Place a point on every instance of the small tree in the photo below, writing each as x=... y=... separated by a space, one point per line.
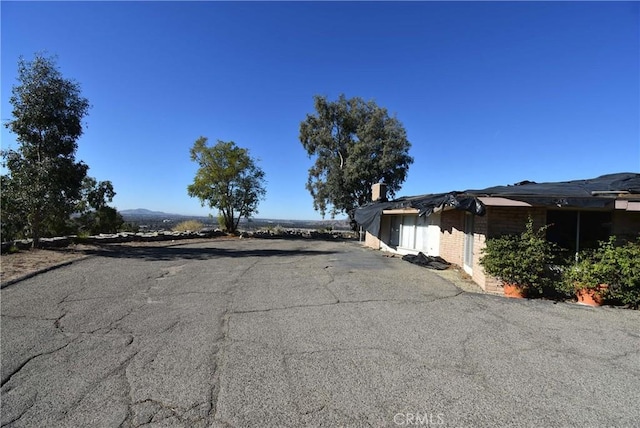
x=356 y=145
x=95 y=215
x=44 y=180
x=228 y=179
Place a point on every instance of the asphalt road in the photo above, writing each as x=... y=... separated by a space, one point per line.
x=274 y=333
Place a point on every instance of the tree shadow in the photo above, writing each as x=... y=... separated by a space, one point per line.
x=178 y=253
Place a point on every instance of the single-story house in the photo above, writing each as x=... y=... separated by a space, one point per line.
x=455 y=225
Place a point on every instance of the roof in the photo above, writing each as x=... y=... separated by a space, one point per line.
x=600 y=192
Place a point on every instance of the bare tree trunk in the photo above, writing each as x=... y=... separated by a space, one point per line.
x=35 y=230
x=352 y=220
x=228 y=221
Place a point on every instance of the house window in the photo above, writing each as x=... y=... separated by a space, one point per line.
x=576 y=230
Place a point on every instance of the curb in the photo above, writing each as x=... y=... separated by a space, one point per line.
x=6 y=284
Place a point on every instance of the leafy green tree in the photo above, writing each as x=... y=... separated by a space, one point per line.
x=227 y=179
x=95 y=195
x=44 y=181
x=356 y=144
x=13 y=224
x=95 y=215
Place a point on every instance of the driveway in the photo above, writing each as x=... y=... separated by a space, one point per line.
x=289 y=333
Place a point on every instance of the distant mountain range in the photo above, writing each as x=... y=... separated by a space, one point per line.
x=144 y=211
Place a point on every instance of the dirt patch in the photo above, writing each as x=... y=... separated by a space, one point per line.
x=23 y=263
x=27 y=262
x=460 y=279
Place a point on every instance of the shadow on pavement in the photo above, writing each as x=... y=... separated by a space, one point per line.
x=173 y=253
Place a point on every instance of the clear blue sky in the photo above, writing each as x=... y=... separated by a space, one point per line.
x=489 y=93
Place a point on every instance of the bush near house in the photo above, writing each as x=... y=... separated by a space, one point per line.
x=523 y=260
x=617 y=266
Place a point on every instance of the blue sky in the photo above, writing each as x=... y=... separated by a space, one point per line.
x=490 y=93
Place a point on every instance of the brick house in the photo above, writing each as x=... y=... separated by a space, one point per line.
x=455 y=225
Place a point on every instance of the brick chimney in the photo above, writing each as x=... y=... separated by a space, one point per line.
x=379 y=192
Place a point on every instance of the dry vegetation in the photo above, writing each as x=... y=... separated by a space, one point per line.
x=188 y=226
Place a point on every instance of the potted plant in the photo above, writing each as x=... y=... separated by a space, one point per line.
x=521 y=262
x=609 y=272
x=586 y=279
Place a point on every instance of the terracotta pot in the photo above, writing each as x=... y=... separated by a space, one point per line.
x=591 y=296
x=514 y=291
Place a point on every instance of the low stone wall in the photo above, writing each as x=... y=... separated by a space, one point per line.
x=299 y=234
x=116 y=238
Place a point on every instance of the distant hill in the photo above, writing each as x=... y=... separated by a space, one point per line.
x=146 y=212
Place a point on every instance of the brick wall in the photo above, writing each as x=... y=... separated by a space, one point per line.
x=371 y=241
x=488 y=283
x=452 y=236
x=497 y=221
x=511 y=220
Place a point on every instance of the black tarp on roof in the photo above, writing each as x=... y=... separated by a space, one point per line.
x=369 y=215
x=622 y=182
x=590 y=193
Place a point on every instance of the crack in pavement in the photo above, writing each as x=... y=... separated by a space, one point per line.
x=28 y=360
x=221 y=343
x=88 y=299
x=347 y=302
x=120 y=368
x=56 y=323
x=31 y=403
x=18 y=317
x=326 y=285
x=111 y=326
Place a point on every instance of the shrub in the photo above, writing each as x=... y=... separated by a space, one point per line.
x=616 y=266
x=523 y=259
x=626 y=285
x=129 y=227
x=188 y=226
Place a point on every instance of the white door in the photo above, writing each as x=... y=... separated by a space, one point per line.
x=422 y=234
x=408 y=231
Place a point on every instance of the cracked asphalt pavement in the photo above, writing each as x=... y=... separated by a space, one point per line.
x=289 y=333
